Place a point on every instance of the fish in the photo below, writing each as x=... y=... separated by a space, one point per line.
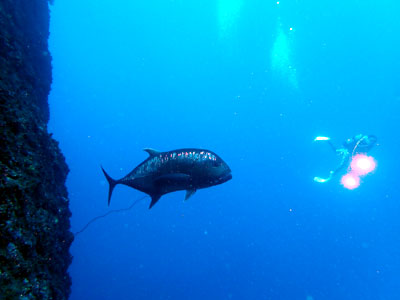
x=161 y=173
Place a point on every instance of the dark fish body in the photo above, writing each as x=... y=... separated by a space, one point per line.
x=183 y=169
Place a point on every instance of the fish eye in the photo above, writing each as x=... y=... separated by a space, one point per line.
x=215 y=163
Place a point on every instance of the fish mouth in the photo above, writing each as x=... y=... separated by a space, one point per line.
x=226 y=177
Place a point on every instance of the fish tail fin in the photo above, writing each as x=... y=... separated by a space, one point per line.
x=112 y=183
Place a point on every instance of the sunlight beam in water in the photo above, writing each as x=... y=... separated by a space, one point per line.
x=281 y=57
x=228 y=13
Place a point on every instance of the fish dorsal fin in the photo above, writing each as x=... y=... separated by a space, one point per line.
x=152 y=152
x=154 y=199
x=189 y=193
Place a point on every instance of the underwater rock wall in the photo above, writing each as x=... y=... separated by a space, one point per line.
x=34 y=206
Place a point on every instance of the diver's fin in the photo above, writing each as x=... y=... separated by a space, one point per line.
x=320 y=180
x=112 y=184
x=152 y=152
x=172 y=178
x=189 y=193
x=154 y=199
x=323 y=180
x=322 y=138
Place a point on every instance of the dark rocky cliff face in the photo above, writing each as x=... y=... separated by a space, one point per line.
x=34 y=213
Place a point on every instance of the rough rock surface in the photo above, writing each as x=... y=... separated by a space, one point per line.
x=34 y=212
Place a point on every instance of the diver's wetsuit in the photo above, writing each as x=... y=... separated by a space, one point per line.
x=357 y=144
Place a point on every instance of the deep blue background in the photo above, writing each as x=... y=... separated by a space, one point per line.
x=171 y=74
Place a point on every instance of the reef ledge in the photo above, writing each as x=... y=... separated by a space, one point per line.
x=35 y=232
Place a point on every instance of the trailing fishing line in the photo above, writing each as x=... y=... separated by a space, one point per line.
x=106 y=214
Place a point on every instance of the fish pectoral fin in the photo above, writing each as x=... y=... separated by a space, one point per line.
x=154 y=199
x=152 y=152
x=172 y=178
x=189 y=193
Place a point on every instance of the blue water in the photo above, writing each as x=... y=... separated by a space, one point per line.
x=256 y=82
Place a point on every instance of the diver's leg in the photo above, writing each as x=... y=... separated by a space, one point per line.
x=326 y=139
x=332 y=146
x=343 y=163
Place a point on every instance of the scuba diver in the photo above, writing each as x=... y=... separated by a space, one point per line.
x=350 y=147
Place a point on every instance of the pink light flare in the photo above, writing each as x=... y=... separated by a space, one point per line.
x=350 y=181
x=362 y=164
